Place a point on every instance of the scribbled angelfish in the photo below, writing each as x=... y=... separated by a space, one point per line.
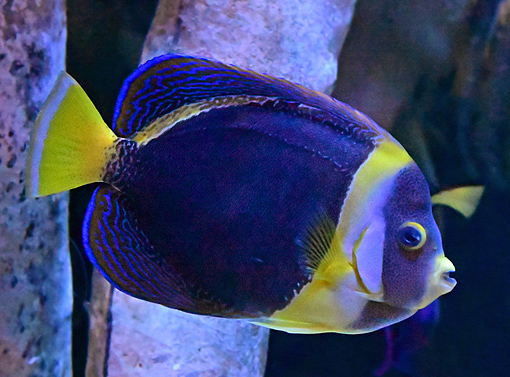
x=234 y=194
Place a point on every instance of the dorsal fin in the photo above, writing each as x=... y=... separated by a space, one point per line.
x=168 y=82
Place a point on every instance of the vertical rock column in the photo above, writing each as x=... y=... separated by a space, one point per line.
x=295 y=39
x=35 y=275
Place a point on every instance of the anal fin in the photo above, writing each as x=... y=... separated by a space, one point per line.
x=122 y=253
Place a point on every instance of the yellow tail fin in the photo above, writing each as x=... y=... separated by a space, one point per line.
x=69 y=144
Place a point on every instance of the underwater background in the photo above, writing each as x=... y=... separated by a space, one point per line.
x=434 y=73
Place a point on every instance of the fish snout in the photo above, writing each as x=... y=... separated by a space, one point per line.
x=446 y=267
x=440 y=282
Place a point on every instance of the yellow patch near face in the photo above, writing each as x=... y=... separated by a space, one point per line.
x=337 y=295
x=384 y=162
x=316 y=309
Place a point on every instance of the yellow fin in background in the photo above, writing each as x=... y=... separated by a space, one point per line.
x=463 y=199
x=69 y=144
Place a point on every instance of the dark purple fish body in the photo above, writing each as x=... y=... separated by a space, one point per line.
x=228 y=193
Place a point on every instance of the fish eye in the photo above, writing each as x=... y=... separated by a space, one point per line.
x=411 y=236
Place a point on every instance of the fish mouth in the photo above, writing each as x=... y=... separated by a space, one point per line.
x=446 y=268
x=448 y=279
x=440 y=282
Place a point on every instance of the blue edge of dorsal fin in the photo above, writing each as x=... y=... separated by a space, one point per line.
x=168 y=82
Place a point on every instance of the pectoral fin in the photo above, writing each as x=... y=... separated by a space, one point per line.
x=317 y=241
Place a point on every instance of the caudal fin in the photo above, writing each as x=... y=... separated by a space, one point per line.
x=70 y=143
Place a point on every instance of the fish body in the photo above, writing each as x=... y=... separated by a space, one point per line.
x=234 y=194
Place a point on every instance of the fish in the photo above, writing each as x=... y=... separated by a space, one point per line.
x=229 y=193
